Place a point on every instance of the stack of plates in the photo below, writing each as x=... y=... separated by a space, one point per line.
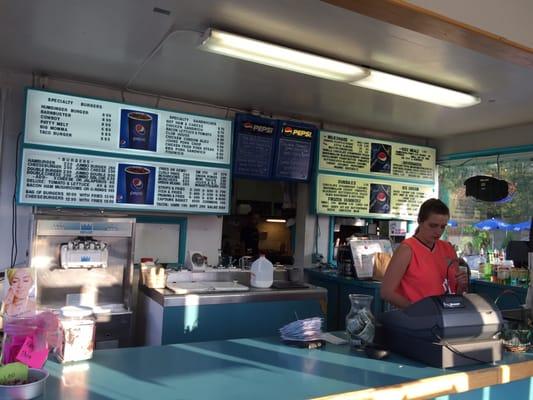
x=303 y=330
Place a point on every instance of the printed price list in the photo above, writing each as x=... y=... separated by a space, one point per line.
x=189 y=188
x=342 y=153
x=191 y=137
x=68 y=180
x=416 y=163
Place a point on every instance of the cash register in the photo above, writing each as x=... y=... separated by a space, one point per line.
x=446 y=331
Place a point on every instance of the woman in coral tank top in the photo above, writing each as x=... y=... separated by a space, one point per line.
x=424 y=265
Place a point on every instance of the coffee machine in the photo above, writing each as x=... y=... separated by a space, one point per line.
x=87 y=260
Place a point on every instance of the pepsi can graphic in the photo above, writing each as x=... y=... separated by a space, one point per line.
x=137 y=180
x=139 y=130
x=380 y=158
x=379 y=198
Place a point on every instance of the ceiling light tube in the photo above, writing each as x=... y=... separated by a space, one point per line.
x=276 y=220
x=405 y=87
x=273 y=55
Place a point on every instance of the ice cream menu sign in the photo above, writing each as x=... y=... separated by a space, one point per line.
x=372 y=178
x=93 y=153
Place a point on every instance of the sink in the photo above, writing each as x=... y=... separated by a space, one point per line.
x=205 y=287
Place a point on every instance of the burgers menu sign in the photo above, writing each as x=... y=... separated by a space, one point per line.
x=372 y=178
x=95 y=153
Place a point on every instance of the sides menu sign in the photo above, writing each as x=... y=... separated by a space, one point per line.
x=90 y=153
x=273 y=149
x=372 y=178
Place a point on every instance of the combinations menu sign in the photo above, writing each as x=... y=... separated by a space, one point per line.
x=76 y=122
x=93 y=153
x=69 y=179
x=372 y=178
x=351 y=154
x=273 y=149
x=376 y=198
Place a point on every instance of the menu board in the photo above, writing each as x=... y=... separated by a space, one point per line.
x=294 y=155
x=369 y=197
x=352 y=154
x=80 y=152
x=254 y=146
x=62 y=120
x=76 y=180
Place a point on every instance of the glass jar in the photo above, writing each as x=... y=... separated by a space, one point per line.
x=360 y=323
x=77 y=334
x=16 y=331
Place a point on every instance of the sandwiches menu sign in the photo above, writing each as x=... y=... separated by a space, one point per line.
x=82 y=152
x=372 y=178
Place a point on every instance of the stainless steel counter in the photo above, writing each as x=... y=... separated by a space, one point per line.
x=168 y=298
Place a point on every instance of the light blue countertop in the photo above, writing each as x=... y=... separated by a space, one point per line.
x=231 y=369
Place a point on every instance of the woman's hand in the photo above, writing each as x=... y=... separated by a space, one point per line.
x=10 y=296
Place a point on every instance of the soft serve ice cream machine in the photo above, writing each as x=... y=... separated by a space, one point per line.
x=88 y=261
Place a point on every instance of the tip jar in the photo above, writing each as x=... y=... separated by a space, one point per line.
x=360 y=323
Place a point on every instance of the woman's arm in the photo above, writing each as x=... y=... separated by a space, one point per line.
x=394 y=274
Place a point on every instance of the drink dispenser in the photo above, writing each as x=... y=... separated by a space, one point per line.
x=86 y=261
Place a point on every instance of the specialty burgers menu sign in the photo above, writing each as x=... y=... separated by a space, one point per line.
x=94 y=153
x=352 y=154
x=372 y=178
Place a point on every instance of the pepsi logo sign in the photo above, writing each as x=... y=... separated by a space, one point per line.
x=139 y=129
x=137 y=184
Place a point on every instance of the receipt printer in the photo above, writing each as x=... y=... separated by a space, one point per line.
x=446 y=331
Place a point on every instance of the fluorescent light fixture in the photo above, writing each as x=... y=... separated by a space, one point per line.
x=405 y=87
x=276 y=220
x=257 y=51
x=232 y=45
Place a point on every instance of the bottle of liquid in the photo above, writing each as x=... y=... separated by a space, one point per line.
x=262 y=273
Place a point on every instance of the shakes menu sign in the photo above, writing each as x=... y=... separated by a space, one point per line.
x=372 y=178
x=82 y=152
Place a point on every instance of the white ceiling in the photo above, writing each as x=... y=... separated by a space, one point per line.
x=107 y=41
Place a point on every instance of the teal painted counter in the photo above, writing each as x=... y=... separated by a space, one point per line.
x=266 y=369
x=166 y=318
x=339 y=288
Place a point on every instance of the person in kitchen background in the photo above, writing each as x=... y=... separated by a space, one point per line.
x=424 y=265
x=250 y=235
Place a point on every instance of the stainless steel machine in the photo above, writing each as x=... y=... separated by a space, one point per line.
x=87 y=260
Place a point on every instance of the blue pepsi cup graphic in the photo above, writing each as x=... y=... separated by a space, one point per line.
x=136 y=184
x=379 y=198
x=139 y=130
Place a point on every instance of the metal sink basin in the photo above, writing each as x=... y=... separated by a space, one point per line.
x=206 y=287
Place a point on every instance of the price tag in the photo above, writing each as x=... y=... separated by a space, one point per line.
x=30 y=356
